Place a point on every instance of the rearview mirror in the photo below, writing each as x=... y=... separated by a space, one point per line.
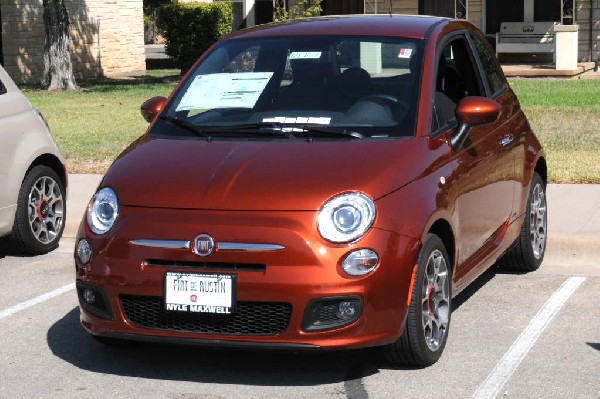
x=473 y=111
x=152 y=107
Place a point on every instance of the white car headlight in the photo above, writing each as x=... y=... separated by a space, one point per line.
x=103 y=210
x=346 y=217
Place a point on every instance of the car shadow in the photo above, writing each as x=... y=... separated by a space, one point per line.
x=594 y=345
x=69 y=341
x=472 y=288
x=7 y=248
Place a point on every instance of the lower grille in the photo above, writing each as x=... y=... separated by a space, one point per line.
x=249 y=318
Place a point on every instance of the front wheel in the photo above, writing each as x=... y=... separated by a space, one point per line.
x=428 y=318
x=528 y=252
x=41 y=211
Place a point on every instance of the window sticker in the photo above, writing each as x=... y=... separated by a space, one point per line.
x=224 y=90
x=321 y=120
x=305 y=55
x=405 y=53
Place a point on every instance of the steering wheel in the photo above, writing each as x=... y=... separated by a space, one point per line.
x=398 y=108
x=385 y=97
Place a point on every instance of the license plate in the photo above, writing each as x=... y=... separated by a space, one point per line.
x=200 y=293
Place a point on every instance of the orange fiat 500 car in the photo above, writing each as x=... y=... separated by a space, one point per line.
x=323 y=183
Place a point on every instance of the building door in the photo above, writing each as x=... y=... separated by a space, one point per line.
x=544 y=10
x=264 y=11
x=342 y=7
x=439 y=8
x=498 y=11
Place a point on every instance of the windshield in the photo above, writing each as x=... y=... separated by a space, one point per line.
x=362 y=86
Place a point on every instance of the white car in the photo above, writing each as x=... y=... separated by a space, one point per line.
x=33 y=177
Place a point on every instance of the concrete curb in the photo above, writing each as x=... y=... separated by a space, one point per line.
x=81 y=189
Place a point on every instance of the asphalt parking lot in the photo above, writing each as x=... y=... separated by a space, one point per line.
x=522 y=336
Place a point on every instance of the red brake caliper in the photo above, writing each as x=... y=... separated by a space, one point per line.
x=429 y=291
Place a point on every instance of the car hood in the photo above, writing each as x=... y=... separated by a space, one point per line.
x=276 y=175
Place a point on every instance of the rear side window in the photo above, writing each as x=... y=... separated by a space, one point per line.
x=2 y=88
x=490 y=66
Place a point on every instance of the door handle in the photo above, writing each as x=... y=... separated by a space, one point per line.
x=506 y=140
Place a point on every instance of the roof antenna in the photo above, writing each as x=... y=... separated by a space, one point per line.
x=390 y=9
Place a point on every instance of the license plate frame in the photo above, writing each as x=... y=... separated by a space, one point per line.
x=210 y=293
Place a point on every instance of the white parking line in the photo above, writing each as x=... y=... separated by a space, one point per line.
x=492 y=385
x=34 y=301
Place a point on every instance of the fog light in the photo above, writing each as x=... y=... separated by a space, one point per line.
x=329 y=313
x=88 y=296
x=84 y=251
x=347 y=310
x=360 y=262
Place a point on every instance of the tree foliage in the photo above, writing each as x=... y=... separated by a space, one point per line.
x=302 y=9
x=58 y=68
x=151 y=5
x=190 y=29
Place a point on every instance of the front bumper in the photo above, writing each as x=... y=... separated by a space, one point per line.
x=272 y=287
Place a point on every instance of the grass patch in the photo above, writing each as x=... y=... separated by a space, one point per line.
x=94 y=125
x=565 y=114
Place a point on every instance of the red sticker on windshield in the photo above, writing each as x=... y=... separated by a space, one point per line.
x=405 y=53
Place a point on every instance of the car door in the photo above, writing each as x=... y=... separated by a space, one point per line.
x=12 y=104
x=5 y=149
x=481 y=186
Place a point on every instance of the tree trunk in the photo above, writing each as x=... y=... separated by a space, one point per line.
x=58 y=69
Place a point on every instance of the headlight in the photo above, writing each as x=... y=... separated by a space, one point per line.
x=103 y=211
x=346 y=217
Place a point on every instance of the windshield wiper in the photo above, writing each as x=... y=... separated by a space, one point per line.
x=190 y=127
x=289 y=130
x=267 y=129
x=264 y=128
x=331 y=131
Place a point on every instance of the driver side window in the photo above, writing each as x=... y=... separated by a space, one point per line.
x=456 y=79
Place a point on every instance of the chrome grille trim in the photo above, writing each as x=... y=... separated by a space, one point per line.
x=248 y=247
x=167 y=244
x=221 y=246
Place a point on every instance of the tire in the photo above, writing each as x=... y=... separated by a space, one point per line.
x=428 y=318
x=527 y=253
x=41 y=211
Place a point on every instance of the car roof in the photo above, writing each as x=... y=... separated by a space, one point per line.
x=414 y=26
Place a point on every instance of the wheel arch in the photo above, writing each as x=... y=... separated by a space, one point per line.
x=443 y=230
x=542 y=169
x=53 y=163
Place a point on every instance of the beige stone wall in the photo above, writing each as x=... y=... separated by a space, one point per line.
x=121 y=35
x=22 y=38
x=107 y=38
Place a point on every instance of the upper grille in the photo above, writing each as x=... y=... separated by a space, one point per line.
x=249 y=318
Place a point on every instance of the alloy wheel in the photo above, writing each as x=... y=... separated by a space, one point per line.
x=435 y=300
x=537 y=221
x=45 y=209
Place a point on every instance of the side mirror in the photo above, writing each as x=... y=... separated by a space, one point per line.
x=473 y=111
x=152 y=107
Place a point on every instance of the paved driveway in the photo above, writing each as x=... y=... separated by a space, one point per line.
x=523 y=336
